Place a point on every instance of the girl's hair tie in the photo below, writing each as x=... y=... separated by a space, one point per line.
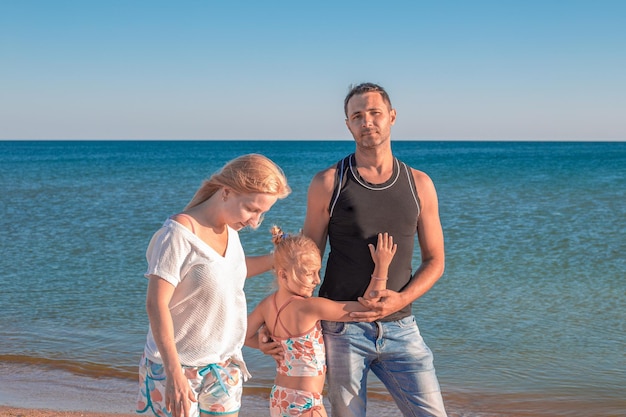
x=278 y=235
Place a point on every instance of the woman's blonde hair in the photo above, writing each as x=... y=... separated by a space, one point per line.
x=291 y=250
x=247 y=174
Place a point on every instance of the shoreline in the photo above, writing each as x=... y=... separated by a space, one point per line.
x=59 y=393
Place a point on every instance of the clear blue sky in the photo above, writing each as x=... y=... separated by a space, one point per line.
x=132 y=69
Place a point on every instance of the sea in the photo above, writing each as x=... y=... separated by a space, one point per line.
x=527 y=320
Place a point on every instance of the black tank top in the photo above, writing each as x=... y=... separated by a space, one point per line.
x=358 y=212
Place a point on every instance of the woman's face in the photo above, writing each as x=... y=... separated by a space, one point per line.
x=247 y=209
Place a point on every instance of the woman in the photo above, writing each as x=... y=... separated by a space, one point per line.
x=192 y=361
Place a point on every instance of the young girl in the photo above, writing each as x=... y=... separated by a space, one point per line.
x=192 y=362
x=293 y=316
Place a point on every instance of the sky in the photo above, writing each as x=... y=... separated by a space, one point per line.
x=204 y=70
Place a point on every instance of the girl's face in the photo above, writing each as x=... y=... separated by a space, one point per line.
x=304 y=277
x=247 y=209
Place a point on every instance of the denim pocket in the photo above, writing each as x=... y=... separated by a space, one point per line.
x=407 y=321
x=333 y=327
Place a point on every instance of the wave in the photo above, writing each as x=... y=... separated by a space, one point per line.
x=89 y=369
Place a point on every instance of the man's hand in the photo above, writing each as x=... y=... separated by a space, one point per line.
x=382 y=304
x=269 y=346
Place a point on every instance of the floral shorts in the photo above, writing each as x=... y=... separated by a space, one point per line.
x=218 y=388
x=287 y=402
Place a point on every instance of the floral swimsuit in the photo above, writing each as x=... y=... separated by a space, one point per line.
x=303 y=355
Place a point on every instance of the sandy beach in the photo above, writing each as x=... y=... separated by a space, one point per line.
x=37 y=391
x=28 y=412
x=252 y=406
x=256 y=406
x=40 y=391
x=33 y=412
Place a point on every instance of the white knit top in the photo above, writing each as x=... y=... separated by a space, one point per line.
x=208 y=306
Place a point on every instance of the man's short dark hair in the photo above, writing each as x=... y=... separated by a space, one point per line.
x=365 y=88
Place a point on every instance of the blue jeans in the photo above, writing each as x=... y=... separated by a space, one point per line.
x=398 y=356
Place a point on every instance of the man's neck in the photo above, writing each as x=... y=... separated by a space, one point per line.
x=374 y=165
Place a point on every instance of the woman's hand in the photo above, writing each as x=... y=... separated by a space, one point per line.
x=178 y=395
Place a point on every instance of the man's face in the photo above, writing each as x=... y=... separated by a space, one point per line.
x=370 y=119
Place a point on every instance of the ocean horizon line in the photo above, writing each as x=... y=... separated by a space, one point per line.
x=459 y=140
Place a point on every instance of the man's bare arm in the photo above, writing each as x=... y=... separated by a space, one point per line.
x=317 y=210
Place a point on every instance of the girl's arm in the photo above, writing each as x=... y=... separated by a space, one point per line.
x=382 y=256
x=255 y=322
x=258 y=336
x=319 y=308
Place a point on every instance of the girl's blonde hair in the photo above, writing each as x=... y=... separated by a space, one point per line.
x=290 y=250
x=247 y=174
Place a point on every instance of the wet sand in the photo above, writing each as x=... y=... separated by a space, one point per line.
x=29 y=391
x=252 y=406
x=36 y=391
x=30 y=412
x=257 y=406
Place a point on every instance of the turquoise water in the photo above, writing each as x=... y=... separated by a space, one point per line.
x=531 y=307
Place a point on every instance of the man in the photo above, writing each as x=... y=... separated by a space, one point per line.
x=349 y=203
